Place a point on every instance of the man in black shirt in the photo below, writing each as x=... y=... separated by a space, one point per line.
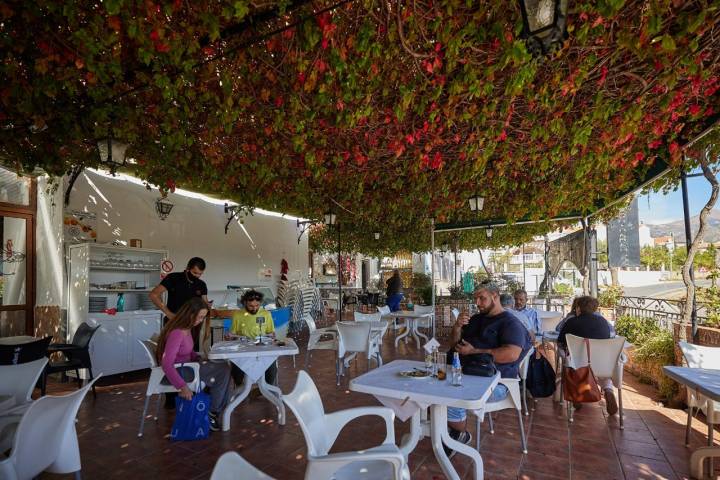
x=181 y=287
x=492 y=330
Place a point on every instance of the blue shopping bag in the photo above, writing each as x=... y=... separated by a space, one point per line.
x=191 y=418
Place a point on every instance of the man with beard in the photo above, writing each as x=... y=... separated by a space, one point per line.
x=181 y=287
x=245 y=323
x=492 y=330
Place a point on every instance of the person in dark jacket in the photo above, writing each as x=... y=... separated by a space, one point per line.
x=587 y=324
x=393 y=293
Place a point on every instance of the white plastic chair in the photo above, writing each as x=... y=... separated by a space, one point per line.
x=549 y=320
x=316 y=342
x=384 y=311
x=19 y=382
x=698 y=356
x=514 y=400
x=375 y=335
x=231 y=466
x=156 y=375
x=606 y=360
x=383 y=462
x=354 y=338
x=367 y=317
x=425 y=322
x=45 y=439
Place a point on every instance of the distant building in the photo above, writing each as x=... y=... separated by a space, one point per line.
x=667 y=241
x=644 y=233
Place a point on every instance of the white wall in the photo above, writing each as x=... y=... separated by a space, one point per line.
x=50 y=271
x=195 y=227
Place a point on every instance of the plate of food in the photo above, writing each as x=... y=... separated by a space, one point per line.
x=416 y=374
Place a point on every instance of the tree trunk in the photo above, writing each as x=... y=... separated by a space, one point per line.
x=695 y=245
x=482 y=262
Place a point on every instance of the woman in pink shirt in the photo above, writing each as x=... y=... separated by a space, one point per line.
x=175 y=345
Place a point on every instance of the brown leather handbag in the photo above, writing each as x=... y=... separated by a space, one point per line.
x=580 y=384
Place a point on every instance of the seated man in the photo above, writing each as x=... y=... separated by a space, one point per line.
x=244 y=323
x=530 y=313
x=492 y=330
x=508 y=303
x=571 y=314
x=587 y=324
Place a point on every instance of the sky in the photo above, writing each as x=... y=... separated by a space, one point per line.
x=655 y=208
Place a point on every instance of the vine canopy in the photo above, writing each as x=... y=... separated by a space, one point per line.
x=389 y=112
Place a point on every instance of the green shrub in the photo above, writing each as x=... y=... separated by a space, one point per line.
x=654 y=348
x=655 y=352
x=636 y=329
x=426 y=294
x=711 y=298
x=610 y=296
x=563 y=289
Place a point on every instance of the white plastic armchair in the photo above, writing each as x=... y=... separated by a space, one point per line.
x=698 y=356
x=606 y=359
x=385 y=461
x=155 y=387
x=354 y=338
x=425 y=322
x=367 y=317
x=376 y=335
x=45 y=439
x=320 y=338
x=19 y=381
x=513 y=400
x=231 y=466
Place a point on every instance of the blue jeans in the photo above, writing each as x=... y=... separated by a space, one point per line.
x=393 y=302
x=458 y=414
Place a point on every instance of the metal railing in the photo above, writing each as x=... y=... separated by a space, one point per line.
x=664 y=311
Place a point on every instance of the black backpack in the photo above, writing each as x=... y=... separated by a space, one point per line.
x=540 y=377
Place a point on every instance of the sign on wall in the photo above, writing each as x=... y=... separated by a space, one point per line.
x=79 y=227
x=623 y=238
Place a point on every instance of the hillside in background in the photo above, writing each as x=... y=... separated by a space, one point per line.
x=677 y=228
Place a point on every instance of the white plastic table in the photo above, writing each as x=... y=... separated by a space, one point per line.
x=411 y=324
x=707 y=382
x=410 y=398
x=253 y=360
x=20 y=339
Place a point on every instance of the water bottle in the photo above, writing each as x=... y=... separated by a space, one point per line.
x=121 y=302
x=456 y=371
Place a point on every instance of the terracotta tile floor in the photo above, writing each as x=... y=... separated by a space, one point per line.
x=593 y=447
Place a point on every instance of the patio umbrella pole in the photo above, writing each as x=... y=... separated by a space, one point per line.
x=688 y=243
x=432 y=269
x=339 y=270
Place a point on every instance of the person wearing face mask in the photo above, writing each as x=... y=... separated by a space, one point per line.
x=244 y=323
x=175 y=346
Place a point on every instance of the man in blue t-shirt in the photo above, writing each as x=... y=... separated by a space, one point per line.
x=492 y=330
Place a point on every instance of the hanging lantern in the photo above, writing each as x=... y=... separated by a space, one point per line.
x=329 y=219
x=377 y=235
x=163 y=207
x=476 y=203
x=112 y=151
x=489 y=232
x=544 y=24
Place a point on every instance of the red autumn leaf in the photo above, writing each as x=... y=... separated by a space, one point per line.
x=170 y=184
x=162 y=47
x=502 y=137
x=639 y=157
x=409 y=138
x=114 y=23
x=154 y=35
x=278 y=102
x=655 y=144
x=325 y=43
x=603 y=75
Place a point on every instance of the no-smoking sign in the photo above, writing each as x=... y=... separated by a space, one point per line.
x=167 y=266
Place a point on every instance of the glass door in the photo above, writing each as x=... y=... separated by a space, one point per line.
x=16 y=274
